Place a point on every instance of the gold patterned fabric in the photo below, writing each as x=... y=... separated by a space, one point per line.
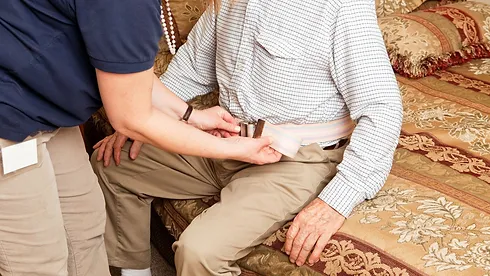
x=387 y=7
x=432 y=217
x=186 y=13
x=436 y=3
x=419 y=43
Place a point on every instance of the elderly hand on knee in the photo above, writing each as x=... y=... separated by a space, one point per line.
x=112 y=145
x=310 y=232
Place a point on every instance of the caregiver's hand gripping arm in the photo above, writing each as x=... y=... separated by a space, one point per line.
x=128 y=102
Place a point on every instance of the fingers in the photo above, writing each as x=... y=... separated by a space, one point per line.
x=269 y=150
x=277 y=155
x=222 y=113
x=308 y=245
x=225 y=134
x=227 y=123
x=267 y=154
x=109 y=150
x=319 y=247
x=229 y=127
x=298 y=242
x=265 y=141
x=271 y=155
x=118 y=145
x=221 y=133
x=135 y=149
x=98 y=144
x=228 y=118
x=214 y=133
x=290 y=235
x=102 y=145
x=254 y=150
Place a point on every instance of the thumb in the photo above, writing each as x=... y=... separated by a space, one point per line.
x=227 y=117
x=135 y=149
x=232 y=128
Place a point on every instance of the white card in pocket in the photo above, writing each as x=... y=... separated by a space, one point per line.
x=19 y=156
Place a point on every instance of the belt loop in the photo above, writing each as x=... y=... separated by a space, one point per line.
x=247 y=129
x=243 y=129
x=250 y=130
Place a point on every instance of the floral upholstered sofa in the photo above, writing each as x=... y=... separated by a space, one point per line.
x=433 y=215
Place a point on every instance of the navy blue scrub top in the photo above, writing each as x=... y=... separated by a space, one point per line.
x=49 y=50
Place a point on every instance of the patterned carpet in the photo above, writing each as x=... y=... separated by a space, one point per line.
x=159 y=267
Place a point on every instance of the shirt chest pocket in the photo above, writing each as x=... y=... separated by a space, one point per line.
x=279 y=48
x=286 y=72
x=277 y=65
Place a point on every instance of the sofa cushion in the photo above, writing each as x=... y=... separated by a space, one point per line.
x=186 y=14
x=422 y=42
x=432 y=216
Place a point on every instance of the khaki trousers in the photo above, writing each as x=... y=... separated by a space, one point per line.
x=52 y=214
x=255 y=202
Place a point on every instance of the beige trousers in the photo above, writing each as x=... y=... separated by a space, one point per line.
x=255 y=202
x=52 y=214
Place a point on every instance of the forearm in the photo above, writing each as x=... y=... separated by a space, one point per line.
x=367 y=159
x=166 y=101
x=162 y=131
x=371 y=93
x=128 y=103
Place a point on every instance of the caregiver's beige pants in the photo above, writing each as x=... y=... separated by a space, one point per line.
x=52 y=214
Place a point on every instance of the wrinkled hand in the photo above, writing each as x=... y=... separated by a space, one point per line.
x=252 y=150
x=216 y=121
x=311 y=230
x=112 y=145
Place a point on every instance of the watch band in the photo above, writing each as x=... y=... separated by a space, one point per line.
x=187 y=113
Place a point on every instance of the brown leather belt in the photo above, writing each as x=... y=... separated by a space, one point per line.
x=339 y=144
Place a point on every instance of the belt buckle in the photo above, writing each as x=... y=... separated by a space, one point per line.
x=247 y=129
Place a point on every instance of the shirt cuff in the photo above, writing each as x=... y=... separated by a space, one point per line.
x=121 y=67
x=341 y=197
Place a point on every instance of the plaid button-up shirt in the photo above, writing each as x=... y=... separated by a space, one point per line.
x=301 y=62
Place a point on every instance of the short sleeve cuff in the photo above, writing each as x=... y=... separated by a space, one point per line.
x=121 y=67
x=341 y=197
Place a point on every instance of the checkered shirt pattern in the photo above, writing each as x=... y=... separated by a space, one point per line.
x=301 y=62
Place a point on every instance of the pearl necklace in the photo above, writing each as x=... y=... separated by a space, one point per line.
x=169 y=37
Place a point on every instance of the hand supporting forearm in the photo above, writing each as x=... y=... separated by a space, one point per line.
x=128 y=103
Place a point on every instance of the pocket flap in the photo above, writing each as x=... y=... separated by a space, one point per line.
x=279 y=47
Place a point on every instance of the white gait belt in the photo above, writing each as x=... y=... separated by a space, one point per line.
x=288 y=138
